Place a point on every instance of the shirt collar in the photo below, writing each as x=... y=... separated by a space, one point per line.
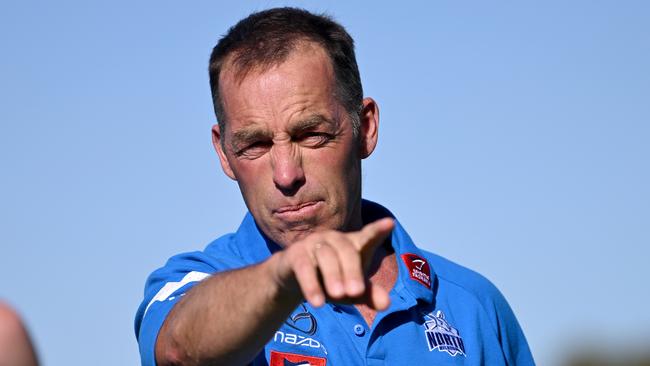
x=415 y=272
x=416 y=278
x=252 y=244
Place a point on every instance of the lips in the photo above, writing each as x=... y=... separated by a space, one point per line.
x=299 y=212
x=295 y=207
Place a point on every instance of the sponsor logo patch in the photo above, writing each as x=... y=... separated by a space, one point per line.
x=297 y=340
x=302 y=320
x=418 y=268
x=292 y=359
x=441 y=335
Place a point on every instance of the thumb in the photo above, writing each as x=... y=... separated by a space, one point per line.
x=373 y=235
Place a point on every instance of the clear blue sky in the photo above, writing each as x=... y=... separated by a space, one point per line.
x=514 y=140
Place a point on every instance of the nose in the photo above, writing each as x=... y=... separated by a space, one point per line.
x=288 y=174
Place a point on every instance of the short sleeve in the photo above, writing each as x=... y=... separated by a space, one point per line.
x=165 y=287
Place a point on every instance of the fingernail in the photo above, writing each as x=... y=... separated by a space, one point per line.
x=337 y=289
x=384 y=304
x=317 y=300
x=355 y=287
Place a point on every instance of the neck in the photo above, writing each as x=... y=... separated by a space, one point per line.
x=383 y=273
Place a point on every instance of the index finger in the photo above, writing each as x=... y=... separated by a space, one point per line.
x=372 y=235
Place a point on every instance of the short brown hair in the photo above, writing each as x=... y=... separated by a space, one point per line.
x=266 y=38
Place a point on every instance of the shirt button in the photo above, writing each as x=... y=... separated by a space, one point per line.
x=359 y=330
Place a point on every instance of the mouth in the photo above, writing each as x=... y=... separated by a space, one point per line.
x=298 y=212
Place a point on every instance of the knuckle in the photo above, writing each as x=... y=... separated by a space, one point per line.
x=302 y=264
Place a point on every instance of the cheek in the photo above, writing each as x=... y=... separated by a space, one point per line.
x=336 y=167
x=251 y=178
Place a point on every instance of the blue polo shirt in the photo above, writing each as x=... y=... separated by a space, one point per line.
x=440 y=313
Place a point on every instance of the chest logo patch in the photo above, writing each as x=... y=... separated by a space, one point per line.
x=303 y=321
x=418 y=268
x=441 y=335
x=292 y=359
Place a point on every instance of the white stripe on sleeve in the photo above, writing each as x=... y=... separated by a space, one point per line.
x=171 y=287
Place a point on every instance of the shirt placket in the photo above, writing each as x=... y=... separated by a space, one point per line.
x=376 y=350
x=366 y=341
x=353 y=327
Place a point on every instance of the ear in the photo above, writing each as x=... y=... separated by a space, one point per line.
x=369 y=131
x=216 y=142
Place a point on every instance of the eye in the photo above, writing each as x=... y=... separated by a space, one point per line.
x=254 y=149
x=314 y=139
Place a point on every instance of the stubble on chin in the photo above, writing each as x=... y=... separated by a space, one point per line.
x=293 y=233
x=289 y=238
x=286 y=233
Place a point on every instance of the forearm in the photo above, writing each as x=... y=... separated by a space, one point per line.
x=227 y=318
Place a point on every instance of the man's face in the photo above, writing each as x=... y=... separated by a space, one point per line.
x=289 y=144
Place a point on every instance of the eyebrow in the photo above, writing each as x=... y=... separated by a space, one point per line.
x=246 y=135
x=311 y=123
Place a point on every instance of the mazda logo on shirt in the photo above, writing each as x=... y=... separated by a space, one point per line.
x=303 y=321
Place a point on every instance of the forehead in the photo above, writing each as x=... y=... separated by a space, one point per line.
x=304 y=79
x=237 y=67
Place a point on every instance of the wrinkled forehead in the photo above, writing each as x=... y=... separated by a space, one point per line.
x=304 y=79
x=241 y=64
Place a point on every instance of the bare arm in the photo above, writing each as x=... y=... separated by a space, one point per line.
x=227 y=318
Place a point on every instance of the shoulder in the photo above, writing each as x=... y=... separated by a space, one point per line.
x=220 y=254
x=460 y=283
x=167 y=284
x=464 y=288
x=184 y=270
x=454 y=274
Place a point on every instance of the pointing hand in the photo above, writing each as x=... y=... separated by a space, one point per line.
x=332 y=264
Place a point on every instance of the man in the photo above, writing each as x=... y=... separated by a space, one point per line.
x=314 y=275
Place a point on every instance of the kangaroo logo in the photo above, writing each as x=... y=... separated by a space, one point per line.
x=442 y=336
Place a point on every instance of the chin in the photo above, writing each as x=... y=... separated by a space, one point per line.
x=285 y=239
x=298 y=232
x=286 y=233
